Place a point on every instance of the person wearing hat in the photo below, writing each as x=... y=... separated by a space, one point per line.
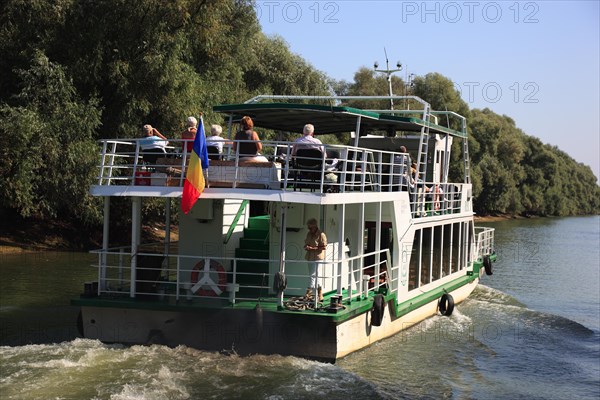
x=189 y=134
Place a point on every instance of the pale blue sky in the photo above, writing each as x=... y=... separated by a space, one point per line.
x=535 y=61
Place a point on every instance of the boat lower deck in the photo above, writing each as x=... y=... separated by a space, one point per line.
x=330 y=307
x=244 y=328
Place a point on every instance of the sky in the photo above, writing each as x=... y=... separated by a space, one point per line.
x=537 y=62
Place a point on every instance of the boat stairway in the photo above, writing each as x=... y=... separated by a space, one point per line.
x=254 y=245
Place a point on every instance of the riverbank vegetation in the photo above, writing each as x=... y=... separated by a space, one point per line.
x=74 y=72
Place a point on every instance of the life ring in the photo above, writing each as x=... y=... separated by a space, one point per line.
x=487 y=265
x=208 y=286
x=377 y=310
x=446 y=304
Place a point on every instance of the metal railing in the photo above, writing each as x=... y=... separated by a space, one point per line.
x=159 y=277
x=485 y=241
x=341 y=169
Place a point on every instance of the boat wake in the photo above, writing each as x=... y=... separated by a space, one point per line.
x=89 y=369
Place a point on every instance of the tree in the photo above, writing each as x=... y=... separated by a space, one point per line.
x=50 y=156
x=368 y=82
x=440 y=93
x=166 y=61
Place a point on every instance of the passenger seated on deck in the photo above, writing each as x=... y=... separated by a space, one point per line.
x=189 y=134
x=215 y=140
x=153 y=144
x=307 y=140
x=250 y=147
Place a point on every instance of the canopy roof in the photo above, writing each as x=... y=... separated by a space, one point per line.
x=292 y=117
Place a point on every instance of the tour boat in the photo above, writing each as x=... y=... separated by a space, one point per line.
x=401 y=242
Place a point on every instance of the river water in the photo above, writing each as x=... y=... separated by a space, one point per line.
x=529 y=331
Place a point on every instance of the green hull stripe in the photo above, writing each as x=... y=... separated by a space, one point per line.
x=425 y=298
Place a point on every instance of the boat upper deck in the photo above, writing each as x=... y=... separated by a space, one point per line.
x=371 y=168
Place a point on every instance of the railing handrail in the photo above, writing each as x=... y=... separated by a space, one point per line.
x=122 y=264
x=237 y=217
x=347 y=169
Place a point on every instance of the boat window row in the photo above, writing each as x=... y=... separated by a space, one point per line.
x=438 y=251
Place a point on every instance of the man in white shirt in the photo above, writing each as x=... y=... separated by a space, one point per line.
x=307 y=141
x=215 y=138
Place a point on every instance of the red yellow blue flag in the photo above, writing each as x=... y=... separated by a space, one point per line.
x=194 y=177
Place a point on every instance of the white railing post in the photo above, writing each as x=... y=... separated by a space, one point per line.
x=365 y=285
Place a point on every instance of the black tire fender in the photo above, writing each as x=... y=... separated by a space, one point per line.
x=377 y=310
x=487 y=265
x=446 y=304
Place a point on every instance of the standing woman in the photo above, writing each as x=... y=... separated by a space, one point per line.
x=315 y=244
x=250 y=145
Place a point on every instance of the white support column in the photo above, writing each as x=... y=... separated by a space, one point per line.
x=105 y=242
x=136 y=211
x=420 y=260
x=361 y=244
x=451 y=248
x=460 y=246
x=340 y=255
x=167 y=232
x=282 y=244
x=431 y=253
x=378 y=244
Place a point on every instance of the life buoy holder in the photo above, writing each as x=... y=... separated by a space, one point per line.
x=202 y=282
x=487 y=265
x=446 y=304
x=377 y=310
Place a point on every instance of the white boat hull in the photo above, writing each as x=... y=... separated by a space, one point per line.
x=250 y=331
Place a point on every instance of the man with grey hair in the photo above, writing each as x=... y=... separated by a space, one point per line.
x=307 y=141
x=215 y=138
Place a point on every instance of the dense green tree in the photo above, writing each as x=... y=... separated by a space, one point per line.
x=165 y=61
x=139 y=62
x=441 y=94
x=48 y=156
x=73 y=71
x=368 y=82
x=26 y=27
x=273 y=69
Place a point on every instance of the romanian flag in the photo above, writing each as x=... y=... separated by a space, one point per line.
x=194 y=178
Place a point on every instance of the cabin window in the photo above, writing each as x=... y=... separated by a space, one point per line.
x=413 y=266
x=438 y=254
x=439 y=251
x=447 y=250
x=370 y=246
x=426 y=256
x=456 y=235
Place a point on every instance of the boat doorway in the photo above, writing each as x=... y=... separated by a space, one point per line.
x=370 y=241
x=259 y=208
